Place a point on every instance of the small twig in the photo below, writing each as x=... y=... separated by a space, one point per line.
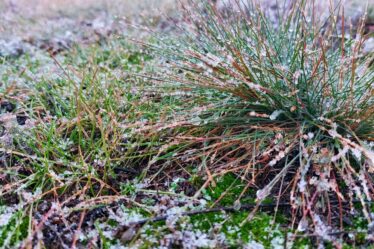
x=76 y=234
x=217 y=209
x=342 y=232
x=205 y=211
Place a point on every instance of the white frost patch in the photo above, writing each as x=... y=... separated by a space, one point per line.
x=357 y=153
x=253 y=245
x=333 y=133
x=5 y=217
x=124 y=216
x=276 y=114
x=277 y=243
x=310 y=135
x=303 y=225
x=197 y=239
x=340 y=154
x=30 y=196
x=214 y=60
x=261 y=194
x=175 y=210
x=118 y=246
x=302 y=185
x=320 y=228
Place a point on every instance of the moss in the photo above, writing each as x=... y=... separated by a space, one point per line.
x=15 y=230
x=228 y=188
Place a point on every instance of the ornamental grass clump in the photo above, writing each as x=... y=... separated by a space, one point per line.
x=292 y=109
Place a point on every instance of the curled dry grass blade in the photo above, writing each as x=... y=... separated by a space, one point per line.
x=295 y=103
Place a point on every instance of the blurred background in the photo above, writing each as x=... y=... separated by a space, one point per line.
x=55 y=25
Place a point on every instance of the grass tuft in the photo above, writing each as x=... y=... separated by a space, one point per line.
x=295 y=116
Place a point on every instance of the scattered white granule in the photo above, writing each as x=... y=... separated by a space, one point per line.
x=310 y=135
x=277 y=243
x=303 y=225
x=340 y=154
x=272 y=162
x=302 y=184
x=253 y=245
x=275 y=114
x=5 y=218
x=357 y=153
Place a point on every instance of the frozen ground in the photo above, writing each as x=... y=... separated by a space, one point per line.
x=56 y=25
x=84 y=36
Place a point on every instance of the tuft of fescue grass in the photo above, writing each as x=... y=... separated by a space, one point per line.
x=296 y=115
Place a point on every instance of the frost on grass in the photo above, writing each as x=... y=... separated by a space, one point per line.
x=6 y=214
x=238 y=102
x=304 y=86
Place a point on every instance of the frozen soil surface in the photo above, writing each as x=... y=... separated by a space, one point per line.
x=64 y=61
x=57 y=25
